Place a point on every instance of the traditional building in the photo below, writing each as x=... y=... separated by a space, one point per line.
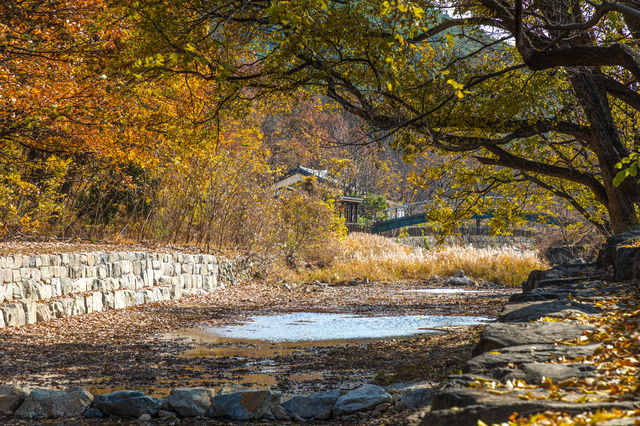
x=349 y=205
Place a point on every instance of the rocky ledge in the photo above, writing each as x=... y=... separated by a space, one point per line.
x=568 y=344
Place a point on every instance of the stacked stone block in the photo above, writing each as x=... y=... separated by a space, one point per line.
x=39 y=288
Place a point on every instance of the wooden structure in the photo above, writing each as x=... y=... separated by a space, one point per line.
x=349 y=206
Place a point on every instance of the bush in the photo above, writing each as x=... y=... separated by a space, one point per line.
x=307 y=231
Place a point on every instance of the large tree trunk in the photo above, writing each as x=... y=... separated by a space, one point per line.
x=590 y=92
x=607 y=145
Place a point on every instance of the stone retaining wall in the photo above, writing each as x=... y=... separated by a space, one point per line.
x=38 y=288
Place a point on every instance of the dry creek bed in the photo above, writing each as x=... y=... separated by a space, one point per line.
x=146 y=348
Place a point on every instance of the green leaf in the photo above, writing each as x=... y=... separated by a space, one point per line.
x=620 y=176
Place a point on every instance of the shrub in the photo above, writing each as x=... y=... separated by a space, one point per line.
x=307 y=230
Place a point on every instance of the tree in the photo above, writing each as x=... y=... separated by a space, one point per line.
x=50 y=93
x=537 y=92
x=374 y=208
x=79 y=133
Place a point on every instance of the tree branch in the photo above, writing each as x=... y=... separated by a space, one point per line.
x=622 y=92
x=602 y=227
x=450 y=23
x=614 y=55
x=472 y=143
x=506 y=159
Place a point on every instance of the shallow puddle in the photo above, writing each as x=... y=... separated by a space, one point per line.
x=279 y=350
x=313 y=326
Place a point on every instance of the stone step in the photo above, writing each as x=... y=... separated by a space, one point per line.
x=500 y=335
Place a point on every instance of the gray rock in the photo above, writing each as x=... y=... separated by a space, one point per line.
x=10 y=398
x=536 y=276
x=247 y=404
x=43 y=313
x=145 y=417
x=607 y=254
x=493 y=409
x=531 y=311
x=627 y=263
x=538 y=296
x=561 y=275
x=460 y=281
x=500 y=335
x=364 y=398
x=413 y=395
x=315 y=406
x=526 y=354
x=190 y=402
x=93 y=413
x=14 y=315
x=126 y=403
x=535 y=371
x=454 y=396
x=383 y=407
x=279 y=413
x=49 y=403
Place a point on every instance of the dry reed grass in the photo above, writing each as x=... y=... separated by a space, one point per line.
x=379 y=258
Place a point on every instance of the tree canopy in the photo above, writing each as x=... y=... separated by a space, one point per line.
x=527 y=94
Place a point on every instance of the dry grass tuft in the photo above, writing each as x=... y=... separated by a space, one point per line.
x=379 y=258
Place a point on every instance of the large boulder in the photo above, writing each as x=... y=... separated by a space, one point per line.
x=246 y=404
x=49 y=403
x=500 y=335
x=531 y=311
x=627 y=263
x=562 y=275
x=315 y=406
x=413 y=395
x=364 y=398
x=127 y=403
x=10 y=399
x=608 y=252
x=191 y=402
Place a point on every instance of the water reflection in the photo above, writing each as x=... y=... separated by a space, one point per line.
x=313 y=326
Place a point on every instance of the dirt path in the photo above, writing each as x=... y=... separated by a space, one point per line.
x=136 y=348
